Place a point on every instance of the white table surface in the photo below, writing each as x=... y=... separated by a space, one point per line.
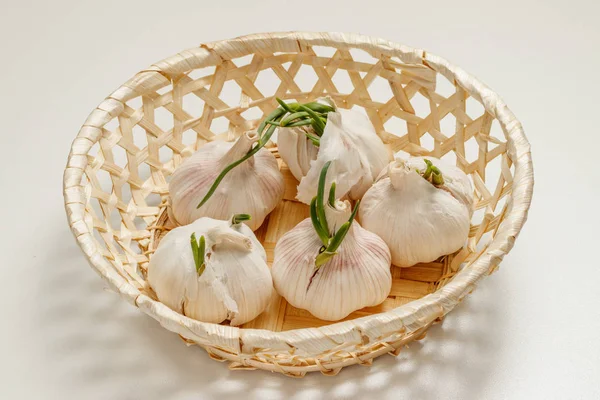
x=530 y=331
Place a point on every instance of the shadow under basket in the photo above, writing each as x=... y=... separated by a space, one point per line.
x=116 y=180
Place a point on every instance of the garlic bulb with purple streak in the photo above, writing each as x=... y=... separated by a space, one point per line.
x=421 y=207
x=328 y=264
x=255 y=187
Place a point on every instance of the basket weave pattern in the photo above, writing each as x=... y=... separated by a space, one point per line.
x=116 y=191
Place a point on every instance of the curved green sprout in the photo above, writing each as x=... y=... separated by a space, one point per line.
x=317 y=215
x=239 y=218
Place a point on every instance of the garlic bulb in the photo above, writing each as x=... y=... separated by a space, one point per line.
x=316 y=132
x=421 y=208
x=224 y=277
x=255 y=187
x=349 y=138
x=328 y=264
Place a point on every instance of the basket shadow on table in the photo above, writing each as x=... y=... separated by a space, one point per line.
x=100 y=344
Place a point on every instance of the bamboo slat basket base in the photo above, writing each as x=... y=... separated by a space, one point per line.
x=116 y=179
x=408 y=284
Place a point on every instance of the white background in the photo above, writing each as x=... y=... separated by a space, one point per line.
x=530 y=331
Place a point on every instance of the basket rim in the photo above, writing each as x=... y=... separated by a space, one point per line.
x=408 y=317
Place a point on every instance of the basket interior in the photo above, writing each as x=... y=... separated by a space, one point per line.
x=413 y=108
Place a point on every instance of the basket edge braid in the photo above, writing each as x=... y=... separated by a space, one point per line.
x=326 y=349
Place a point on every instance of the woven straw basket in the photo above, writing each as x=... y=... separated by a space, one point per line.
x=116 y=192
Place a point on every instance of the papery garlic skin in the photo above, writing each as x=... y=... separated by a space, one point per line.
x=419 y=221
x=358 y=276
x=254 y=187
x=359 y=155
x=296 y=150
x=236 y=284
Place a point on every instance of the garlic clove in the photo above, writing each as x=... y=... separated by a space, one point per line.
x=254 y=187
x=419 y=221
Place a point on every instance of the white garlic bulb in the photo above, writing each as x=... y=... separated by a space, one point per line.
x=350 y=139
x=346 y=136
x=419 y=219
x=254 y=187
x=229 y=281
x=334 y=272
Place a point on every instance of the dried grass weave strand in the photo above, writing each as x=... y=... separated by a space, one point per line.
x=115 y=182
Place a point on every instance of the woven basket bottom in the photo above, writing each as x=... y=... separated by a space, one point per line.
x=408 y=284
